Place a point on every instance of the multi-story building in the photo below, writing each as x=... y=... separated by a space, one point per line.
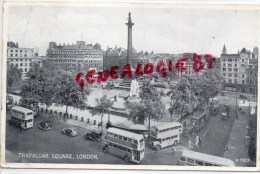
x=21 y=57
x=234 y=69
x=252 y=76
x=76 y=57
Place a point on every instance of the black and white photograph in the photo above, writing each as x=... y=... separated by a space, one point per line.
x=130 y=86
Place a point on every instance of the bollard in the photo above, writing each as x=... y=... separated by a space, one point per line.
x=60 y=113
x=55 y=112
x=82 y=119
x=50 y=111
x=76 y=117
x=15 y=103
x=42 y=109
x=94 y=122
x=70 y=116
x=46 y=110
x=88 y=120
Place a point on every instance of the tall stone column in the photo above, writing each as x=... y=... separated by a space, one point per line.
x=129 y=39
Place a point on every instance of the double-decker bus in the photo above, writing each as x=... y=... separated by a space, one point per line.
x=21 y=117
x=166 y=134
x=130 y=146
x=191 y=158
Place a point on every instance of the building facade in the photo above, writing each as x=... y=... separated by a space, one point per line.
x=235 y=69
x=21 y=57
x=77 y=57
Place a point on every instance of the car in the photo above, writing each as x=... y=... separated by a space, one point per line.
x=188 y=131
x=70 y=131
x=45 y=125
x=93 y=135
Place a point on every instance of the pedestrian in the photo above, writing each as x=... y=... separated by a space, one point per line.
x=190 y=145
x=173 y=151
x=200 y=141
x=21 y=128
x=197 y=141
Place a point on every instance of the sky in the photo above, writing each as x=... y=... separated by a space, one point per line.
x=162 y=30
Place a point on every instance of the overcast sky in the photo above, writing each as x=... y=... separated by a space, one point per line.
x=161 y=30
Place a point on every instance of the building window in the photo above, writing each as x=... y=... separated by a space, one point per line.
x=229 y=65
x=21 y=64
x=242 y=65
x=235 y=80
x=235 y=65
x=236 y=75
x=16 y=51
x=25 y=64
x=224 y=69
x=243 y=76
x=230 y=80
x=235 y=69
x=15 y=55
x=224 y=64
x=11 y=50
x=25 y=70
x=21 y=60
x=229 y=69
x=243 y=82
x=11 y=55
x=230 y=75
x=230 y=60
x=25 y=55
x=21 y=51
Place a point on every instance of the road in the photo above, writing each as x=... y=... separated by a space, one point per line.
x=214 y=135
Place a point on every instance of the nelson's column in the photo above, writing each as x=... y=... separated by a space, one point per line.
x=129 y=39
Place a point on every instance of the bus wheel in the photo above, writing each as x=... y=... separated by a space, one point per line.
x=175 y=143
x=158 y=147
x=126 y=158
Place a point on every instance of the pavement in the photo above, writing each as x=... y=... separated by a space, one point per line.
x=236 y=148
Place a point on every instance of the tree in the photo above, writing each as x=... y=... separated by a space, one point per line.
x=150 y=106
x=68 y=93
x=183 y=99
x=207 y=86
x=103 y=105
x=39 y=84
x=14 y=75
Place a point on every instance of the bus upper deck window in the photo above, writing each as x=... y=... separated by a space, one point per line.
x=199 y=163
x=124 y=138
x=30 y=113
x=183 y=158
x=129 y=140
x=135 y=141
x=190 y=160
x=208 y=164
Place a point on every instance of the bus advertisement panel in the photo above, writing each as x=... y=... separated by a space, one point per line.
x=127 y=145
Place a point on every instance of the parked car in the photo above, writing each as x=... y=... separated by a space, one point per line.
x=188 y=131
x=70 y=131
x=45 y=125
x=93 y=135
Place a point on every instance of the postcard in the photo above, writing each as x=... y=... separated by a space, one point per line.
x=144 y=86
